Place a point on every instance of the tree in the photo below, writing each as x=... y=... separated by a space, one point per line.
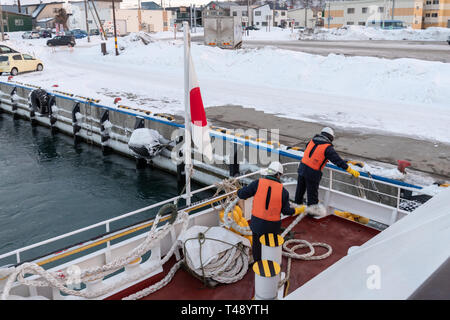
x=61 y=18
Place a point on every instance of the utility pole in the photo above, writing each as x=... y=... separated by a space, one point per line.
x=1 y=23
x=87 y=24
x=139 y=16
x=95 y=21
x=115 y=28
x=306 y=8
x=393 y=7
x=329 y=14
x=102 y=30
x=19 y=7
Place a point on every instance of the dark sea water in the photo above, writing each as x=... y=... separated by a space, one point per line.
x=49 y=186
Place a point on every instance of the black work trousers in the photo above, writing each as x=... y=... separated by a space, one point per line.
x=310 y=186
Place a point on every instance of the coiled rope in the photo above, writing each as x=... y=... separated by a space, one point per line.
x=290 y=253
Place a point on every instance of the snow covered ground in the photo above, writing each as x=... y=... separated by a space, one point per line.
x=363 y=33
x=404 y=96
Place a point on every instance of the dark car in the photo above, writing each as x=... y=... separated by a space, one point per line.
x=251 y=28
x=61 y=41
x=94 y=32
x=45 y=34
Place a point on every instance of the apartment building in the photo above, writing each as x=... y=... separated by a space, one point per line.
x=418 y=14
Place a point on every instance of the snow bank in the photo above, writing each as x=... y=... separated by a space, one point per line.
x=403 y=96
x=368 y=33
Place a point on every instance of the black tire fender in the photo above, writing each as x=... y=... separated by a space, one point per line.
x=39 y=101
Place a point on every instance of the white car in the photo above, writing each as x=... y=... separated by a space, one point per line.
x=31 y=35
x=5 y=36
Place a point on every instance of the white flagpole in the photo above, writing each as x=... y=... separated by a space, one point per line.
x=187 y=117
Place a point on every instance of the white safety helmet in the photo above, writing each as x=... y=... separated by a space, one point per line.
x=274 y=168
x=328 y=130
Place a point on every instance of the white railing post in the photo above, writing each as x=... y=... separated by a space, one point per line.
x=108 y=246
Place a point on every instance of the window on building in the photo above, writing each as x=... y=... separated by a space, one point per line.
x=361 y=23
x=297 y=23
x=257 y=13
x=435 y=1
x=234 y=13
x=283 y=13
x=18 y=22
x=428 y=2
x=257 y=23
x=17 y=57
x=427 y=15
x=380 y=9
x=350 y=23
x=55 y=10
x=244 y=13
x=434 y=15
x=364 y=10
x=350 y=10
x=264 y=24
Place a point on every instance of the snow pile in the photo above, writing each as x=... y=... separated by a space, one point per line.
x=145 y=142
x=274 y=34
x=368 y=33
x=403 y=96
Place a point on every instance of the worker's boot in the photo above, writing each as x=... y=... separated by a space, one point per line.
x=317 y=210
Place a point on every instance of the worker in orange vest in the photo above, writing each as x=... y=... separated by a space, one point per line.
x=270 y=200
x=318 y=151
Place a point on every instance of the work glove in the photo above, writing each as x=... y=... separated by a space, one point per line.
x=353 y=172
x=299 y=210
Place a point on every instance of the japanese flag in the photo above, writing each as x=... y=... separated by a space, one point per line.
x=199 y=124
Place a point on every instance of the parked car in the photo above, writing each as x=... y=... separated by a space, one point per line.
x=45 y=34
x=251 y=28
x=94 y=32
x=448 y=40
x=78 y=34
x=5 y=36
x=31 y=35
x=61 y=41
x=14 y=63
x=5 y=49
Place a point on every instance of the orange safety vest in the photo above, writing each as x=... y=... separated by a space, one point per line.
x=267 y=206
x=314 y=155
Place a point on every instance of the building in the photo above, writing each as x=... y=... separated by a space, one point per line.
x=14 y=21
x=262 y=16
x=186 y=14
x=77 y=14
x=127 y=20
x=244 y=13
x=270 y=14
x=299 y=19
x=418 y=14
x=217 y=8
x=279 y=14
x=43 y=13
x=151 y=20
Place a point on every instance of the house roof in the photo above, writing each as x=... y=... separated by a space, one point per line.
x=150 y=5
x=222 y=4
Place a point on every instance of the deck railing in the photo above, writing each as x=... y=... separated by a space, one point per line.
x=330 y=194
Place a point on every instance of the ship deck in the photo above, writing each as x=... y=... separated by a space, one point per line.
x=338 y=232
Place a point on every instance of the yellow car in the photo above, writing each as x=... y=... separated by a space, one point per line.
x=14 y=63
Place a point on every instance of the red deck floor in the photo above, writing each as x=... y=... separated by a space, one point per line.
x=337 y=232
